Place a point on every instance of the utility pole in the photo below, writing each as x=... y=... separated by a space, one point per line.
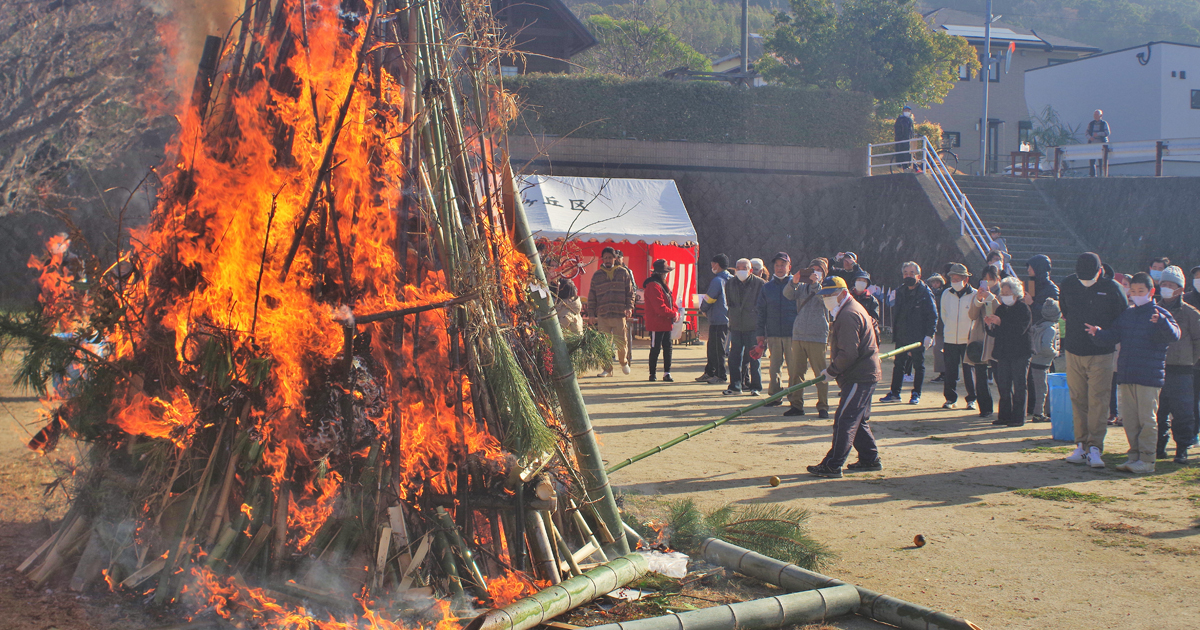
x=986 y=75
x=746 y=36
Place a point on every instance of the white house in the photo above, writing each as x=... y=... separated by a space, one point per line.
x=1150 y=92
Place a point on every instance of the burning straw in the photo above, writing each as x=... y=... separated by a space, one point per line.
x=314 y=384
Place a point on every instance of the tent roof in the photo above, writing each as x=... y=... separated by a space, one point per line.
x=606 y=209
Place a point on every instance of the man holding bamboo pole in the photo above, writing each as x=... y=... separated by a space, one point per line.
x=854 y=362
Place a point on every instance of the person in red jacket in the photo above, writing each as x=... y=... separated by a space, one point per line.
x=660 y=316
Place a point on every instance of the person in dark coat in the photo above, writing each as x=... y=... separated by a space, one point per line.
x=1193 y=297
x=1145 y=332
x=776 y=317
x=1090 y=297
x=1043 y=288
x=903 y=132
x=1176 y=416
x=1010 y=327
x=845 y=266
x=854 y=363
x=741 y=295
x=660 y=315
x=860 y=288
x=916 y=319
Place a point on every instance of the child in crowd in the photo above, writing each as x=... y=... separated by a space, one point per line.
x=1144 y=332
x=1045 y=350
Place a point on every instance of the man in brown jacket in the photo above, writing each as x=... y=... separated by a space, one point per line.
x=854 y=363
x=610 y=302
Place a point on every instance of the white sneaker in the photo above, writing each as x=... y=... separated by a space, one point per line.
x=1127 y=466
x=1078 y=456
x=1141 y=467
x=604 y=373
x=908 y=378
x=1094 y=458
x=625 y=369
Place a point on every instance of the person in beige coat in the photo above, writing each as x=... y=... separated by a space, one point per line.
x=980 y=344
x=954 y=315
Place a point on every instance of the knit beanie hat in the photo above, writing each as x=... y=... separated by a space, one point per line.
x=1087 y=266
x=1173 y=274
x=822 y=263
x=1050 y=310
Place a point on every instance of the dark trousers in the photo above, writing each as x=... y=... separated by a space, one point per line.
x=850 y=427
x=1196 y=406
x=1010 y=381
x=983 y=393
x=915 y=360
x=718 y=349
x=1112 y=403
x=660 y=341
x=740 y=344
x=1176 y=400
x=955 y=353
x=1032 y=406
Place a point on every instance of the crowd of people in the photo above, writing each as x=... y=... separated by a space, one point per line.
x=1128 y=344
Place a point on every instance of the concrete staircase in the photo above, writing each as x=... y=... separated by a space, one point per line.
x=1030 y=222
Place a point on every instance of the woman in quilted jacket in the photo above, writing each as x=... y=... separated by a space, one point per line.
x=660 y=315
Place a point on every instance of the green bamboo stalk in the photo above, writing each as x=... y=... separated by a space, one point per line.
x=464 y=552
x=566 y=386
x=712 y=425
x=556 y=600
x=782 y=611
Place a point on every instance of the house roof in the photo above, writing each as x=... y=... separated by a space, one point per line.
x=970 y=26
x=1121 y=50
x=539 y=18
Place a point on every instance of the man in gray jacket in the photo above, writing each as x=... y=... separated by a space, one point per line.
x=810 y=332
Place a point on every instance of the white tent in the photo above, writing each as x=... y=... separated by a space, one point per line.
x=606 y=209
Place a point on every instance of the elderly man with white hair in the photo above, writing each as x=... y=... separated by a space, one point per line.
x=1097 y=133
x=741 y=297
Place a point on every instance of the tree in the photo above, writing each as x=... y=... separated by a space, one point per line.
x=880 y=47
x=634 y=49
x=712 y=27
x=71 y=78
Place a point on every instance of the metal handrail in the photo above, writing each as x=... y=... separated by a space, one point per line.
x=926 y=158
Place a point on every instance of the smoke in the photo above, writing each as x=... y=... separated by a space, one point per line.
x=190 y=22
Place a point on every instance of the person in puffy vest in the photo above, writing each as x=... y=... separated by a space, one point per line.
x=956 y=321
x=1145 y=331
x=1044 y=342
x=776 y=317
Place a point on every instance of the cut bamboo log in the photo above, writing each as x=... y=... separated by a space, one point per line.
x=585 y=552
x=94 y=558
x=38 y=552
x=61 y=548
x=563 y=550
x=585 y=531
x=144 y=573
x=761 y=614
x=879 y=607
x=556 y=600
x=464 y=552
x=539 y=547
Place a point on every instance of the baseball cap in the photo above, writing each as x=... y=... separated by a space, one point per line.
x=782 y=256
x=832 y=285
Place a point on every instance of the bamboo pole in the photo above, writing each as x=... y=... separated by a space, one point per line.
x=570 y=594
x=879 y=607
x=464 y=552
x=712 y=425
x=761 y=614
x=584 y=531
x=539 y=547
x=575 y=415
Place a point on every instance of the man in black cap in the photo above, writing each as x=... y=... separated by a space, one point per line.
x=1090 y=297
x=854 y=362
x=716 y=309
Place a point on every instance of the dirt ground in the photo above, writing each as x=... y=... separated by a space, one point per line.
x=1004 y=550
x=1125 y=552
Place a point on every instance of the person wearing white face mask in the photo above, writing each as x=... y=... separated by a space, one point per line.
x=741 y=297
x=776 y=317
x=1010 y=328
x=1145 y=331
x=860 y=288
x=1090 y=297
x=1176 y=399
x=1157 y=266
x=955 y=315
x=854 y=363
x=915 y=321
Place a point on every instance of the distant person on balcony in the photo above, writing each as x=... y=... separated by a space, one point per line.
x=1097 y=133
x=904 y=133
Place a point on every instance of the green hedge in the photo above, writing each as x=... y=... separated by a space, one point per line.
x=691 y=111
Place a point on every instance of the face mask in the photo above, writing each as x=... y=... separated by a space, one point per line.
x=831 y=302
x=1167 y=293
x=1088 y=283
x=818 y=275
x=742 y=274
x=910 y=282
x=781 y=277
x=860 y=285
x=1156 y=274
x=1140 y=300
x=1196 y=284
x=958 y=286
x=1008 y=300
x=998 y=264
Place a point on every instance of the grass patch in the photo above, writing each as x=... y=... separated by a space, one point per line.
x=1117 y=528
x=1057 y=450
x=1063 y=494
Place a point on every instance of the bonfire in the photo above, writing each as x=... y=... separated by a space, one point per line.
x=323 y=386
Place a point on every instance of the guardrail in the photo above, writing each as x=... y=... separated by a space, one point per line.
x=1126 y=152
x=924 y=158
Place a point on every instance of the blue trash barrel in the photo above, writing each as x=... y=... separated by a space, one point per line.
x=1062 y=423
